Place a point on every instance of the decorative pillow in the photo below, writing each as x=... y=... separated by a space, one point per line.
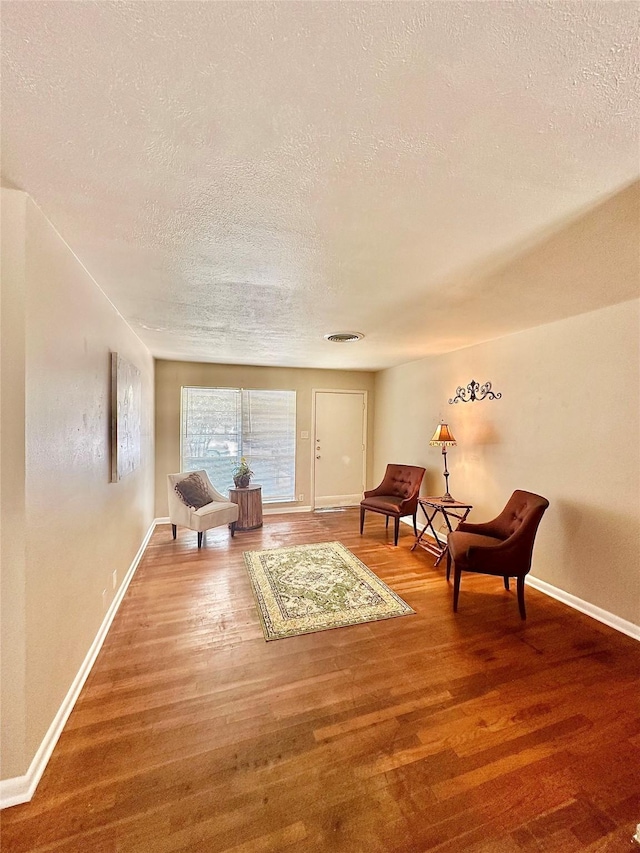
x=193 y=491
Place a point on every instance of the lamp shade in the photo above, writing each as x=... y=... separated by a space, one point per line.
x=442 y=436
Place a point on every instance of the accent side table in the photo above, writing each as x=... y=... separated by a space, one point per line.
x=249 y=502
x=431 y=507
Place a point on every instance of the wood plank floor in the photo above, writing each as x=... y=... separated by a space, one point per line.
x=473 y=732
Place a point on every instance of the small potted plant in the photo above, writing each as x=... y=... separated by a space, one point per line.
x=242 y=474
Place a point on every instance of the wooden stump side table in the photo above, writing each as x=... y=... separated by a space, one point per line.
x=249 y=502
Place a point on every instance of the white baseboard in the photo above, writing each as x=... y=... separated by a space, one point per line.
x=597 y=613
x=20 y=789
x=332 y=501
x=277 y=510
x=266 y=510
x=442 y=537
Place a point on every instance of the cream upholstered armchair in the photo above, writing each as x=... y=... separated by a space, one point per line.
x=196 y=504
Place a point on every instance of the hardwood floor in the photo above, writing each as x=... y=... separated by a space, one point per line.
x=471 y=732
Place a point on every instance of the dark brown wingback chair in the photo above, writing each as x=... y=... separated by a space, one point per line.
x=396 y=496
x=500 y=547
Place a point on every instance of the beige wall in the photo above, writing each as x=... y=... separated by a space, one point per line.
x=172 y=375
x=567 y=427
x=78 y=526
x=12 y=484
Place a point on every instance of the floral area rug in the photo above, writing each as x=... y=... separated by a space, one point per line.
x=309 y=588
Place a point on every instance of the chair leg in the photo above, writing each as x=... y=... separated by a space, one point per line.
x=361 y=520
x=232 y=528
x=174 y=530
x=415 y=523
x=456 y=587
x=200 y=540
x=396 y=530
x=386 y=522
x=448 y=565
x=506 y=581
x=520 y=585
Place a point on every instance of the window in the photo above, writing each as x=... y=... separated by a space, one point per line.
x=219 y=425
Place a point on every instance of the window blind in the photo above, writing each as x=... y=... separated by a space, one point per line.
x=220 y=425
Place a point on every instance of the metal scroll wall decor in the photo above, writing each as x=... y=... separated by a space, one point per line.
x=473 y=392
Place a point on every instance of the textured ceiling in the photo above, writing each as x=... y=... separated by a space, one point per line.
x=242 y=178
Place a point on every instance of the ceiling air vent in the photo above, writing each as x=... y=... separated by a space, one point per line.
x=344 y=337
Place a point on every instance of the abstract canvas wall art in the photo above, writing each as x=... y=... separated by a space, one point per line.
x=125 y=417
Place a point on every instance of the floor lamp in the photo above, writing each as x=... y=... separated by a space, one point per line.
x=443 y=437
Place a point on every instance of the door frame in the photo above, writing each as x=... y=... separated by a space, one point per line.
x=365 y=431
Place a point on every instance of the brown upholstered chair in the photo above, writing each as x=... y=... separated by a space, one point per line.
x=396 y=496
x=500 y=547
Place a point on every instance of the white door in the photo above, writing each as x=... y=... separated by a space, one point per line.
x=340 y=429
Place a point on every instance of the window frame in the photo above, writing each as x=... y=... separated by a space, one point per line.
x=240 y=390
